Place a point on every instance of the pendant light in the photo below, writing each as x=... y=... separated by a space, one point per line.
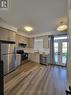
x=62 y=27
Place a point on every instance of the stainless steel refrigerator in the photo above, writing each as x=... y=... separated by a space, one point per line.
x=8 y=57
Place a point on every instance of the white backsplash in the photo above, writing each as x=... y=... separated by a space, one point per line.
x=30 y=50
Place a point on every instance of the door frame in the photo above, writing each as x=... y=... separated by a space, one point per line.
x=60 y=51
x=60 y=46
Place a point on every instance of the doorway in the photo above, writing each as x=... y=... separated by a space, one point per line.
x=60 y=50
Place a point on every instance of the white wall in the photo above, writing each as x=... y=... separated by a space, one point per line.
x=69 y=34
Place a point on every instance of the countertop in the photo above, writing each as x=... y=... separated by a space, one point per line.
x=29 y=50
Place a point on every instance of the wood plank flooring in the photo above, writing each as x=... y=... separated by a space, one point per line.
x=36 y=79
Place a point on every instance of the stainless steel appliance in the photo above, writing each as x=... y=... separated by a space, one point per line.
x=23 y=54
x=8 y=57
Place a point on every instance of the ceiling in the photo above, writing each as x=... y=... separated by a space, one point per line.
x=42 y=15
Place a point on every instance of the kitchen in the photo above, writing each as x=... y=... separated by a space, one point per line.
x=32 y=46
x=18 y=50
x=8 y=50
x=15 y=45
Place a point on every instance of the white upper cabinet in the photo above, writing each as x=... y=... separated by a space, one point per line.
x=3 y=34
x=11 y=36
x=21 y=39
x=31 y=42
x=7 y=35
x=45 y=42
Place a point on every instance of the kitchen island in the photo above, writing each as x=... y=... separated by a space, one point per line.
x=34 y=57
x=37 y=56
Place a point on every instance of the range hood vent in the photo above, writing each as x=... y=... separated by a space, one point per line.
x=22 y=45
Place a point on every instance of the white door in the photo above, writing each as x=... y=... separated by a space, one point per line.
x=60 y=52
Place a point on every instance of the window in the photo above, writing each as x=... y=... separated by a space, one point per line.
x=3 y=3
x=38 y=44
x=60 y=38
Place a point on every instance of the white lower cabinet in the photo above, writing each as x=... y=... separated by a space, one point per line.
x=34 y=57
x=18 y=60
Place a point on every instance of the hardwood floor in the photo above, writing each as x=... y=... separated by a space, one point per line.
x=36 y=79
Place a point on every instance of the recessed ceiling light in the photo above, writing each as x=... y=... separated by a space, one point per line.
x=28 y=28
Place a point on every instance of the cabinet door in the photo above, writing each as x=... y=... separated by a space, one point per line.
x=7 y=35
x=11 y=36
x=3 y=34
x=31 y=42
x=45 y=42
x=21 y=39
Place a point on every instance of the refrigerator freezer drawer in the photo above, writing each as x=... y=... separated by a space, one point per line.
x=5 y=62
x=9 y=62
